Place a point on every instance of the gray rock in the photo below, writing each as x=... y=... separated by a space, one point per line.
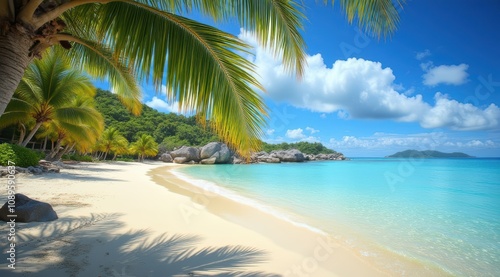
x=237 y=160
x=273 y=160
x=190 y=153
x=28 y=210
x=211 y=160
x=180 y=160
x=35 y=170
x=166 y=158
x=218 y=150
x=291 y=155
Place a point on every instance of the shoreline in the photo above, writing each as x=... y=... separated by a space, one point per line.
x=119 y=219
x=297 y=237
x=252 y=215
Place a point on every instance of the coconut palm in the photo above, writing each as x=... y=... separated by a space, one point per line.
x=112 y=141
x=79 y=131
x=51 y=91
x=145 y=146
x=201 y=66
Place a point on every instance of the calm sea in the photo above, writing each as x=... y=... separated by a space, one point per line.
x=437 y=215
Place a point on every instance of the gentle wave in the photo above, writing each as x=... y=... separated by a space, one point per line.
x=214 y=188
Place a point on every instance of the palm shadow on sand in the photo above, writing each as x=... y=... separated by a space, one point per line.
x=70 y=245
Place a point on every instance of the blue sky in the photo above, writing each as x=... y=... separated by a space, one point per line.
x=435 y=84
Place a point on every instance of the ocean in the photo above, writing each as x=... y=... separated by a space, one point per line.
x=409 y=217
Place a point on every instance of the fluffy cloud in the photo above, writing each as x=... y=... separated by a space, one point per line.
x=298 y=135
x=423 y=54
x=312 y=130
x=444 y=74
x=421 y=141
x=363 y=89
x=295 y=134
x=162 y=105
x=454 y=115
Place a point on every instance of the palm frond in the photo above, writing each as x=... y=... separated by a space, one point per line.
x=378 y=17
x=99 y=60
x=199 y=66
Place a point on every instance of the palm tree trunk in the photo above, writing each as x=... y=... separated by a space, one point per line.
x=55 y=150
x=22 y=130
x=14 y=58
x=32 y=133
x=45 y=144
x=62 y=152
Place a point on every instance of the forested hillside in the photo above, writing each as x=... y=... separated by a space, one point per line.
x=169 y=130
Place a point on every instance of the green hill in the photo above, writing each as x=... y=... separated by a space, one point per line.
x=428 y=154
x=172 y=130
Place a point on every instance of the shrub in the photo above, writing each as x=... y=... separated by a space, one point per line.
x=123 y=159
x=81 y=158
x=18 y=155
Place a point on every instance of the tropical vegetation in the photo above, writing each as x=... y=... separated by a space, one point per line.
x=145 y=146
x=303 y=146
x=203 y=67
x=15 y=155
x=58 y=101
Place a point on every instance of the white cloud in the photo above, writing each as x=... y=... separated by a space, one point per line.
x=363 y=89
x=445 y=74
x=422 y=141
x=162 y=105
x=270 y=132
x=423 y=54
x=312 y=130
x=454 y=115
x=296 y=134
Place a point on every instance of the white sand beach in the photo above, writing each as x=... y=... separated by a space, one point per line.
x=137 y=219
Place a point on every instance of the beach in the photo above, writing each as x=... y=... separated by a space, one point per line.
x=139 y=219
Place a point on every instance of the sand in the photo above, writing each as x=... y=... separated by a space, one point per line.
x=138 y=219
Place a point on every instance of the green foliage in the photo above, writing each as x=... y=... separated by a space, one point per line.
x=171 y=130
x=304 y=147
x=18 y=155
x=124 y=159
x=144 y=147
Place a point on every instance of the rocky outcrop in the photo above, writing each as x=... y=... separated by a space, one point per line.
x=212 y=160
x=219 y=153
x=27 y=210
x=166 y=158
x=291 y=155
x=326 y=157
x=186 y=154
x=43 y=167
x=217 y=150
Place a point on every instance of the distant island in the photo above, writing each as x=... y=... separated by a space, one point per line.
x=428 y=154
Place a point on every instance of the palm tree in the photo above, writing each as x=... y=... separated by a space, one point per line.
x=145 y=146
x=52 y=92
x=120 y=147
x=112 y=141
x=78 y=131
x=121 y=40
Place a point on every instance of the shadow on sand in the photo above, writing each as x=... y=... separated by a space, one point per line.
x=91 y=246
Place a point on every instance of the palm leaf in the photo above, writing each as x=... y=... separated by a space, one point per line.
x=378 y=17
x=202 y=70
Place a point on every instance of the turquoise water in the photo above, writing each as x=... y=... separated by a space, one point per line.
x=442 y=215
